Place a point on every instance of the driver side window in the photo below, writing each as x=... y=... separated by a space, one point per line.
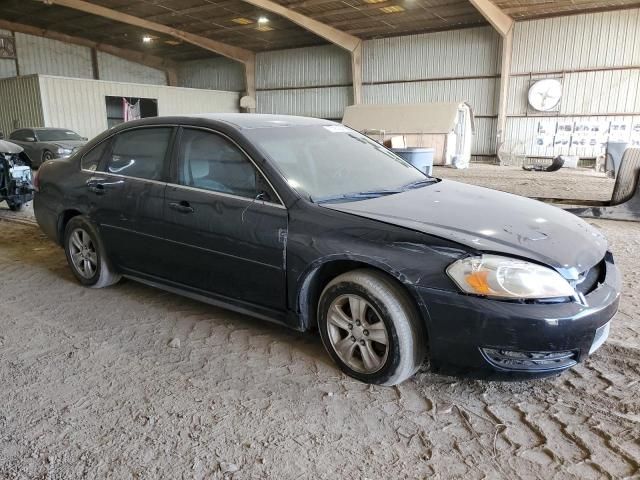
x=211 y=162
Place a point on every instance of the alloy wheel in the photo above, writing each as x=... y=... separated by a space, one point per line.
x=357 y=333
x=83 y=253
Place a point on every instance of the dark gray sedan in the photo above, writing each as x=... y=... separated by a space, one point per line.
x=312 y=225
x=42 y=144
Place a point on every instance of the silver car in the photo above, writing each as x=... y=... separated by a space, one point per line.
x=42 y=144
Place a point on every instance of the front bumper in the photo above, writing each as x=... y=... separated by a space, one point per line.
x=475 y=335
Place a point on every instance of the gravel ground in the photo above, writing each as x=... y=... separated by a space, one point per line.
x=132 y=382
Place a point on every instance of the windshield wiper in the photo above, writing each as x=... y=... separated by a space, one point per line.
x=358 y=195
x=420 y=183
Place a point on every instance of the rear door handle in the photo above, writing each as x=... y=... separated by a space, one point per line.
x=182 y=207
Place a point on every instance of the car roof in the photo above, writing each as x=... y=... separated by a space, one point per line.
x=241 y=121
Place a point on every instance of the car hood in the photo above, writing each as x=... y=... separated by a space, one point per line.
x=8 y=147
x=69 y=143
x=491 y=221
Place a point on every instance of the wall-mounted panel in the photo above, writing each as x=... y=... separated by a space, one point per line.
x=313 y=102
x=598 y=40
x=80 y=104
x=20 y=104
x=458 y=53
x=51 y=57
x=118 y=69
x=481 y=94
x=322 y=66
x=212 y=74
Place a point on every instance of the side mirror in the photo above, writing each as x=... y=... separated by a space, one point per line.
x=29 y=139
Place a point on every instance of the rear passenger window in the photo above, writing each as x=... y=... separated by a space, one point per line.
x=140 y=153
x=211 y=162
x=91 y=160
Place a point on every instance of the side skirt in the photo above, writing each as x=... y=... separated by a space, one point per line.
x=272 y=316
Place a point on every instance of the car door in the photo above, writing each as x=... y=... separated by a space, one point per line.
x=126 y=198
x=225 y=224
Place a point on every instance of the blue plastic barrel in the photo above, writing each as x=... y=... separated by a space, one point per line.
x=421 y=158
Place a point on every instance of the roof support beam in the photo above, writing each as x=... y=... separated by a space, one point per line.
x=246 y=57
x=168 y=66
x=342 y=39
x=494 y=15
x=503 y=24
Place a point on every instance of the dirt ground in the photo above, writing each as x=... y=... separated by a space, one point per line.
x=91 y=388
x=578 y=183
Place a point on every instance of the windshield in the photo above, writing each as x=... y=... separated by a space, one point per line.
x=332 y=161
x=57 y=135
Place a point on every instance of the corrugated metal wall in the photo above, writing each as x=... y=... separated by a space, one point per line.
x=312 y=81
x=20 y=104
x=459 y=65
x=51 y=57
x=213 y=74
x=597 y=59
x=80 y=104
x=118 y=69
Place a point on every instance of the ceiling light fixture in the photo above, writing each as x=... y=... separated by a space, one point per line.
x=263 y=20
x=147 y=39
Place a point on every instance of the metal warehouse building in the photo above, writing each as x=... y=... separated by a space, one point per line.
x=320 y=239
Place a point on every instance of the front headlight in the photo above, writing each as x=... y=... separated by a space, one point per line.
x=496 y=276
x=64 y=151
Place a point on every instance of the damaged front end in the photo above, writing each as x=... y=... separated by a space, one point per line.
x=16 y=179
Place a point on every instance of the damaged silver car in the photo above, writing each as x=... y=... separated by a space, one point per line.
x=16 y=183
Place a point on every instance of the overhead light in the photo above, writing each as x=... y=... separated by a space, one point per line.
x=242 y=21
x=173 y=43
x=147 y=39
x=392 y=9
x=264 y=28
x=263 y=20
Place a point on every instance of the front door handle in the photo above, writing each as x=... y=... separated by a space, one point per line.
x=182 y=207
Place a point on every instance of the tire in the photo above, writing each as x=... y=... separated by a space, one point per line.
x=91 y=266
x=381 y=304
x=15 y=207
x=46 y=155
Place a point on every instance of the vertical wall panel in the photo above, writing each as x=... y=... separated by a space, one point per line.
x=598 y=40
x=20 y=104
x=7 y=67
x=481 y=94
x=51 y=57
x=314 y=102
x=457 y=53
x=118 y=69
x=303 y=67
x=213 y=74
x=80 y=104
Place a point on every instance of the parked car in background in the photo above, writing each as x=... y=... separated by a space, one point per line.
x=42 y=144
x=15 y=176
x=310 y=224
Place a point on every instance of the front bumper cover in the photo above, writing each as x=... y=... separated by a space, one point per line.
x=475 y=335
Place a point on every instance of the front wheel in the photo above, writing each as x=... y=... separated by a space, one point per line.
x=15 y=207
x=86 y=255
x=46 y=155
x=371 y=328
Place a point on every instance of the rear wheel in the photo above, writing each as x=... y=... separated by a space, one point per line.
x=86 y=255
x=370 y=328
